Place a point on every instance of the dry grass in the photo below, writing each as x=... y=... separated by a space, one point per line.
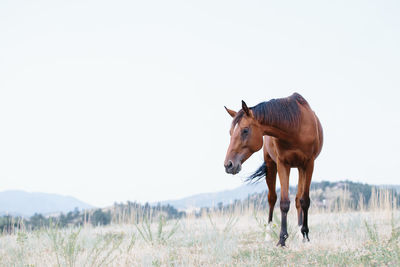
x=368 y=237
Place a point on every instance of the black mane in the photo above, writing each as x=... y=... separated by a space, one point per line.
x=281 y=112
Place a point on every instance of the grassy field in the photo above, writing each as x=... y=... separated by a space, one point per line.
x=369 y=237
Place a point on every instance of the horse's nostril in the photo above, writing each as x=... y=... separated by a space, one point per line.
x=230 y=165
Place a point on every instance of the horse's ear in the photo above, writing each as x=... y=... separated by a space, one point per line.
x=231 y=112
x=245 y=108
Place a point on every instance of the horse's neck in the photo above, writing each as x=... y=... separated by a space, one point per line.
x=276 y=131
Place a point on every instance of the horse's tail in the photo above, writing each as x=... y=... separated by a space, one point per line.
x=258 y=174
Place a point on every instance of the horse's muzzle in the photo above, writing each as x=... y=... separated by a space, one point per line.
x=231 y=168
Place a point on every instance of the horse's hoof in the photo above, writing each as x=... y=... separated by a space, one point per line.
x=305 y=238
x=298 y=234
x=267 y=238
x=282 y=240
x=281 y=244
x=268 y=232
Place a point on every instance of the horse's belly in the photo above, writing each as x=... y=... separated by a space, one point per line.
x=292 y=156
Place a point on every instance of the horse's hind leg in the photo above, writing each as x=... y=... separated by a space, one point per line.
x=299 y=194
x=299 y=211
x=305 y=176
x=271 y=182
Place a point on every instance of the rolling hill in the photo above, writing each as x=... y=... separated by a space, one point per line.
x=212 y=199
x=21 y=203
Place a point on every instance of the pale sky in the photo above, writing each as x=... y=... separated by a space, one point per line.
x=123 y=100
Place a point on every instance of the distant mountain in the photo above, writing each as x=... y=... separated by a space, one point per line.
x=21 y=203
x=212 y=199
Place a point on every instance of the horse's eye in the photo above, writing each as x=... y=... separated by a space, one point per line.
x=245 y=131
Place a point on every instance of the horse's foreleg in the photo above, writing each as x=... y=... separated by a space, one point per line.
x=284 y=171
x=271 y=182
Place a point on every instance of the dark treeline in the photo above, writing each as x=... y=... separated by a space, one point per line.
x=359 y=194
x=131 y=212
x=73 y=218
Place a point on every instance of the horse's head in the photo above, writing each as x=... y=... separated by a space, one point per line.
x=246 y=138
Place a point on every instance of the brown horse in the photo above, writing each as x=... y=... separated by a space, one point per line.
x=292 y=137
